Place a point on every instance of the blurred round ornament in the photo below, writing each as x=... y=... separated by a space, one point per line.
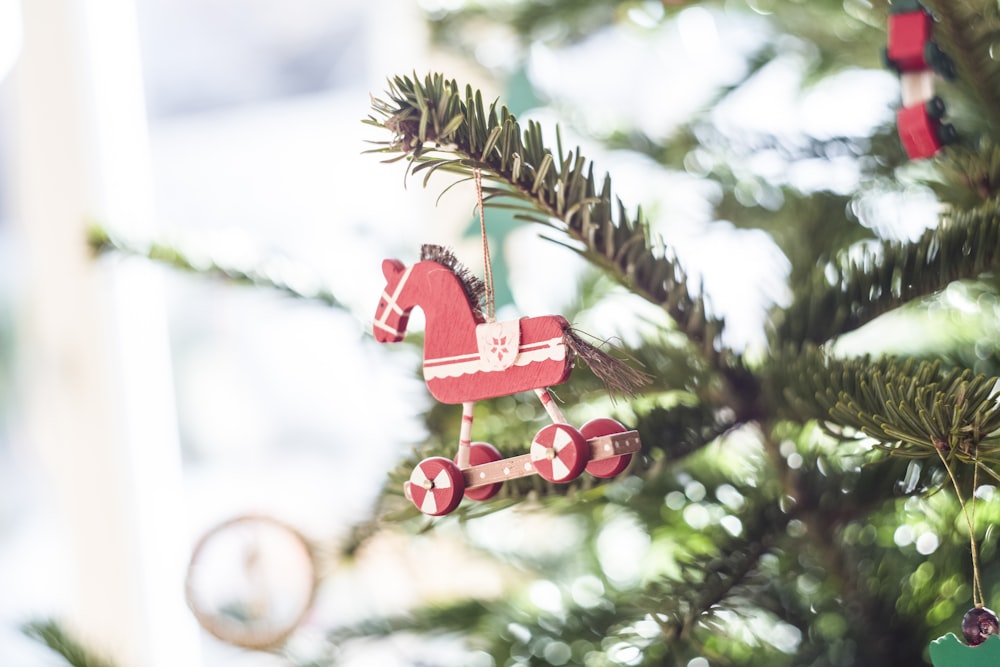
x=251 y=581
x=978 y=624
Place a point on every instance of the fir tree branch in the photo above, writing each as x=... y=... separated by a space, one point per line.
x=53 y=635
x=722 y=574
x=965 y=245
x=966 y=177
x=170 y=255
x=916 y=410
x=969 y=31
x=431 y=619
x=493 y=621
x=439 y=128
x=710 y=584
x=570 y=20
x=911 y=408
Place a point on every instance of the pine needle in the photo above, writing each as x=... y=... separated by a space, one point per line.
x=52 y=634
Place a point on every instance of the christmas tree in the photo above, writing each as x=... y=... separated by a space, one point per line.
x=814 y=487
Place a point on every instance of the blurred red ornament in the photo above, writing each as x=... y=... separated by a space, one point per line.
x=913 y=54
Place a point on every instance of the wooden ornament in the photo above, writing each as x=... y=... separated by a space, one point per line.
x=912 y=53
x=468 y=358
x=908 y=33
x=949 y=651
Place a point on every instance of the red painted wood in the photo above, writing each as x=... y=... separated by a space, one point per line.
x=479 y=454
x=602 y=447
x=908 y=34
x=452 y=367
x=436 y=486
x=559 y=453
x=918 y=132
x=607 y=467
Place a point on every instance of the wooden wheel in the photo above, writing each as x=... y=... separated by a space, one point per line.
x=435 y=486
x=480 y=453
x=605 y=468
x=559 y=453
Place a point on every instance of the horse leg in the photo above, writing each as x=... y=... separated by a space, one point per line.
x=555 y=414
x=473 y=454
x=558 y=452
x=465 y=436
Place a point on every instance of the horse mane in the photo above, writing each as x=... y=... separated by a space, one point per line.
x=473 y=287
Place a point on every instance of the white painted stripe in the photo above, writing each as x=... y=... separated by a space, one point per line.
x=385 y=327
x=438 y=361
x=537 y=451
x=434 y=370
x=429 y=506
x=391 y=306
x=442 y=480
x=527 y=347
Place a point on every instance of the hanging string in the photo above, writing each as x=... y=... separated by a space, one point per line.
x=977 y=585
x=977 y=581
x=490 y=309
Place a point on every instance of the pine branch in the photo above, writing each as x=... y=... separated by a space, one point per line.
x=969 y=31
x=965 y=245
x=911 y=408
x=706 y=588
x=269 y=275
x=504 y=629
x=431 y=619
x=569 y=20
x=438 y=128
x=967 y=176
x=917 y=410
x=53 y=635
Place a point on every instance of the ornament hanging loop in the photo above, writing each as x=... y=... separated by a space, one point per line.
x=490 y=307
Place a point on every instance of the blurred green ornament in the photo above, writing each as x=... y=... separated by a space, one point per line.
x=948 y=651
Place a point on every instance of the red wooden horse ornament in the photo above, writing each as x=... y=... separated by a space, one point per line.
x=467 y=358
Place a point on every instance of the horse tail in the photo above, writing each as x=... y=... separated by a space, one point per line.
x=617 y=376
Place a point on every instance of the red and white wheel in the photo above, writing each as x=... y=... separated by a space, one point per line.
x=435 y=486
x=480 y=453
x=559 y=453
x=605 y=468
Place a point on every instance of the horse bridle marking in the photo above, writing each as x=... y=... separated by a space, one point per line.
x=390 y=304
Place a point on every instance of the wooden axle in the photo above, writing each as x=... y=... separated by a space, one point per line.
x=603 y=447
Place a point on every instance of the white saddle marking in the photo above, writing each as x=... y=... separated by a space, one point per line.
x=498 y=344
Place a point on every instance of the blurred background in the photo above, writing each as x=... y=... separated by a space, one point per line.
x=139 y=407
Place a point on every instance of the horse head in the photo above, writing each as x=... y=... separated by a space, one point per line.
x=390 y=317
